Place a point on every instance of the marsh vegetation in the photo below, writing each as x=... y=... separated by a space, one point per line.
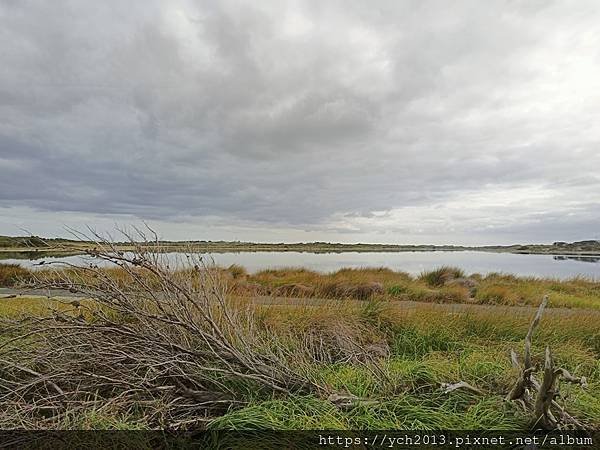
x=145 y=346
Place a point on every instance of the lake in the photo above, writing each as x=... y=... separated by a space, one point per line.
x=411 y=262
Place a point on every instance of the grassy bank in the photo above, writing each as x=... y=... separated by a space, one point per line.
x=444 y=285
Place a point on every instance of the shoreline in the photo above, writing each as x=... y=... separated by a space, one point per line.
x=25 y=253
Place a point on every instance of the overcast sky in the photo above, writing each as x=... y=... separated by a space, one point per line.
x=387 y=121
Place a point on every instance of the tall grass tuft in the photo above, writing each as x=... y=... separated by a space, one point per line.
x=439 y=277
x=13 y=274
x=237 y=271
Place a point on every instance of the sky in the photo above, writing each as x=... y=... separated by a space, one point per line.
x=401 y=121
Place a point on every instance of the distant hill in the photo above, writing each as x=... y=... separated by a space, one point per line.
x=579 y=245
x=36 y=243
x=29 y=241
x=32 y=241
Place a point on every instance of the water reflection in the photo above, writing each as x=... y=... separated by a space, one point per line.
x=34 y=255
x=555 y=266
x=588 y=259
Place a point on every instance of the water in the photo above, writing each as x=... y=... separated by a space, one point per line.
x=411 y=262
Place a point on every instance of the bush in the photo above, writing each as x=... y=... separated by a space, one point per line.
x=398 y=290
x=439 y=277
x=13 y=274
x=237 y=271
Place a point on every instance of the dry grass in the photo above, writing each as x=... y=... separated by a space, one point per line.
x=445 y=285
x=13 y=274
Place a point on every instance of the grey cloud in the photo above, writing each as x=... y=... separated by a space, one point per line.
x=290 y=114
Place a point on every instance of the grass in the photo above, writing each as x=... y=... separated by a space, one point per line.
x=426 y=347
x=443 y=285
x=440 y=277
x=19 y=306
x=12 y=274
x=406 y=412
x=417 y=402
x=417 y=349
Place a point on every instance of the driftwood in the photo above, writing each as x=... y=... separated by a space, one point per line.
x=547 y=392
x=540 y=398
x=526 y=383
x=447 y=387
x=350 y=401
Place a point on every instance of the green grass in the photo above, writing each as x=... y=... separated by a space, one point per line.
x=15 y=307
x=422 y=348
x=428 y=348
x=406 y=412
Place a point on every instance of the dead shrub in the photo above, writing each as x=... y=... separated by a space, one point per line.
x=170 y=342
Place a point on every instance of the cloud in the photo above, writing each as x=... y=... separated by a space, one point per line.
x=394 y=121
